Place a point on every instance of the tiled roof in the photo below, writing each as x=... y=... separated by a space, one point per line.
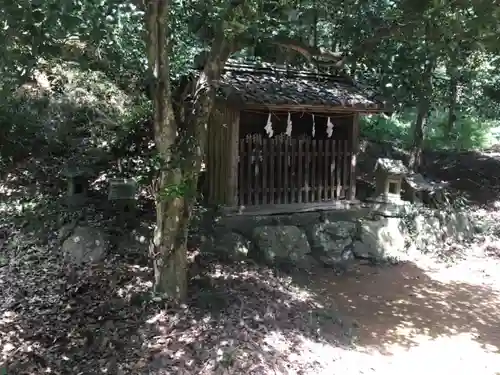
x=279 y=87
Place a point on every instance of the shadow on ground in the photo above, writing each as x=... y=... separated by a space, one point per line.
x=240 y=318
x=245 y=319
x=104 y=321
x=396 y=305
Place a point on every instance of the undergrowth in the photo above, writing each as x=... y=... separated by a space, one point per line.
x=470 y=132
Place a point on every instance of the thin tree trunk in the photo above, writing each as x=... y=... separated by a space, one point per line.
x=452 y=116
x=422 y=116
x=418 y=135
x=196 y=122
x=315 y=25
x=354 y=67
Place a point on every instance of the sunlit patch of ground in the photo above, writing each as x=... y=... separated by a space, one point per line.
x=459 y=354
x=426 y=316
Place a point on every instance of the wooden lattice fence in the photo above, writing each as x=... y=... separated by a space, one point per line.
x=282 y=170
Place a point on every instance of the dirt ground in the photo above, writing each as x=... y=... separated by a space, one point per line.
x=422 y=317
x=437 y=314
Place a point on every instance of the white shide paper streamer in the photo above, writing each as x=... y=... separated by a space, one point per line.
x=329 y=127
x=289 y=125
x=314 y=126
x=269 y=127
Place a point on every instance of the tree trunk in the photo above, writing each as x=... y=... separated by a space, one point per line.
x=422 y=116
x=354 y=67
x=418 y=135
x=181 y=153
x=169 y=252
x=169 y=259
x=315 y=25
x=452 y=116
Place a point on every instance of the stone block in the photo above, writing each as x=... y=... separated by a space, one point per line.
x=332 y=237
x=281 y=243
x=427 y=231
x=381 y=239
x=463 y=225
x=233 y=245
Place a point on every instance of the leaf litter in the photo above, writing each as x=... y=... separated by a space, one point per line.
x=103 y=319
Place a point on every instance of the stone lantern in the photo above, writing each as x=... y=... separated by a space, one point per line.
x=122 y=191
x=389 y=178
x=78 y=184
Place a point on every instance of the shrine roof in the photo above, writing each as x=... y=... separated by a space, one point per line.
x=279 y=88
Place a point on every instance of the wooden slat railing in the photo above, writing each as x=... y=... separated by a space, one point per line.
x=283 y=170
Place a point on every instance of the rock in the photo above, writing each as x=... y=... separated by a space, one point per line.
x=340 y=262
x=339 y=229
x=306 y=263
x=463 y=225
x=232 y=244
x=85 y=245
x=381 y=239
x=302 y=219
x=281 y=243
x=65 y=231
x=242 y=224
x=331 y=238
x=480 y=228
x=427 y=231
x=457 y=225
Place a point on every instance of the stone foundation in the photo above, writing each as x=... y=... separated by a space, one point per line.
x=378 y=232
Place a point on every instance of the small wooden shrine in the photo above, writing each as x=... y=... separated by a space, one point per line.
x=279 y=137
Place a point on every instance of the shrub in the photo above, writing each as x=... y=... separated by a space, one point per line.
x=68 y=114
x=470 y=132
x=383 y=128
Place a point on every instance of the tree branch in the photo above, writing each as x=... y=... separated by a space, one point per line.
x=322 y=56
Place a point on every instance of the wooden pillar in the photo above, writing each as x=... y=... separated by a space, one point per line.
x=234 y=137
x=354 y=154
x=214 y=153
